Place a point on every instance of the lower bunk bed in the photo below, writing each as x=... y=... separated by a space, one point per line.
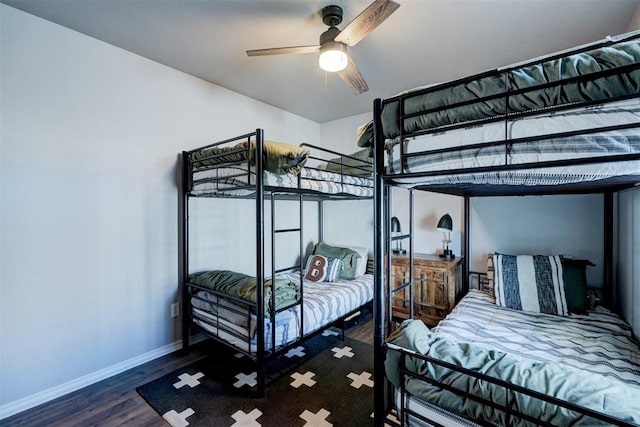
x=223 y=304
x=532 y=368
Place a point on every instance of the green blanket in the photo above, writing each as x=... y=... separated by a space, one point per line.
x=599 y=393
x=602 y=88
x=243 y=286
x=278 y=157
x=359 y=163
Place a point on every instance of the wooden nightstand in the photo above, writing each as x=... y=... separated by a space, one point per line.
x=436 y=290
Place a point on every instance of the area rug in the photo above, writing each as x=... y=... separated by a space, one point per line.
x=323 y=382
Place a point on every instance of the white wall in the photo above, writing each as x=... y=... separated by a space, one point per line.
x=627 y=296
x=88 y=202
x=570 y=225
x=348 y=222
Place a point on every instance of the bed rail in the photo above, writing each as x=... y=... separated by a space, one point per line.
x=504 y=407
x=213 y=174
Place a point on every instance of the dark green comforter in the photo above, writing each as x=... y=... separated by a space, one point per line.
x=243 y=286
x=602 y=88
x=279 y=158
x=585 y=389
x=359 y=163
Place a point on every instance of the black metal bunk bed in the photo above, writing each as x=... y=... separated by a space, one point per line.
x=243 y=168
x=425 y=115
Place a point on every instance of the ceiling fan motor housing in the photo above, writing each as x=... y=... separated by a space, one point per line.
x=332 y=15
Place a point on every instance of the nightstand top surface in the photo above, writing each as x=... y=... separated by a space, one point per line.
x=428 y=257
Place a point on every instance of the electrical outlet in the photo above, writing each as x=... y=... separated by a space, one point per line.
x=175 y=309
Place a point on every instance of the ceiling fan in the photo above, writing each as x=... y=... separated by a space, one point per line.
x=333 y=42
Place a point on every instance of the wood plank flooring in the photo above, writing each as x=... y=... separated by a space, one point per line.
x=115 y=402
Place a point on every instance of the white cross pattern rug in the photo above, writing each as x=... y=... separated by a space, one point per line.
x=326 y=382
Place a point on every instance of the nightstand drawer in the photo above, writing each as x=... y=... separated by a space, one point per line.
x=431 y=275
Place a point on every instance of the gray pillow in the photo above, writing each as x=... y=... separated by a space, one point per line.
x=349 y=258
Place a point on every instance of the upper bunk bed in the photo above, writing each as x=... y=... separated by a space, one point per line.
x=567 y=122
x=564 y=123
x=229 y=168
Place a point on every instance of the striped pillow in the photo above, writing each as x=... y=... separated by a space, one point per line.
x=322 y=269
x=530 y=283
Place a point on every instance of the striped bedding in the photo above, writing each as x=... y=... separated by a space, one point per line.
x=600 y=342
x=226 y=180
x=323 y=303
x=559 y=148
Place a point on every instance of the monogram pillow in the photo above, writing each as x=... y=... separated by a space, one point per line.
x=322 y=269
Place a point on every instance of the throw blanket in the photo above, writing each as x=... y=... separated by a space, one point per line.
x=240 y=285
x=278 y=157
x=359 y=163
x=601 y=394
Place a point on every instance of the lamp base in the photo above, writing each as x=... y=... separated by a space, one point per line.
x=447 y=254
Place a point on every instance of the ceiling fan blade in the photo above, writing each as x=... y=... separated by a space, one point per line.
x=352 y=77
x=283 y=50
x=367 y=21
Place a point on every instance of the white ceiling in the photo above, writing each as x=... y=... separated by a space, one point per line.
x=423 y=42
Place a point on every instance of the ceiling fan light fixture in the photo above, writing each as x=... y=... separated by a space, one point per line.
x=333 y=57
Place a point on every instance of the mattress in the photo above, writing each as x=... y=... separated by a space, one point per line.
x=600 y=342
x=420 y=410
x=323 y=303
x=585 y=145
x=237 y=180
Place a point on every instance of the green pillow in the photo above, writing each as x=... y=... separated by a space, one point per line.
x=574 y=275
x=349 y=258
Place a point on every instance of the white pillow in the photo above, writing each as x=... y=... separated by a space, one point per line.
x=361 y=266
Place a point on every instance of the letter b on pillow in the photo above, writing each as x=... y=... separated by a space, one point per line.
x=316 y=268
x=321 y=269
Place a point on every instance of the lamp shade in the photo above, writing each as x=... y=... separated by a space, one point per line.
x=395 y=225
x=333 y=57
x=445 y=224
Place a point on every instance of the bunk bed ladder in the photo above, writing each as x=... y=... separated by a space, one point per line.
x=280 y=231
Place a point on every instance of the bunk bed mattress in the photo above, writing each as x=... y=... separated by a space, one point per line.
x=584 y=347
x=600 y=342
x=234 y=180
x=323 y=303
x=586 y=145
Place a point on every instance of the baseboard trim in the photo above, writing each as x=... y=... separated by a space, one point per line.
x=28 y=402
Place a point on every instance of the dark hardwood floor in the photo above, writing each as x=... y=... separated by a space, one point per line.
x=115 y=402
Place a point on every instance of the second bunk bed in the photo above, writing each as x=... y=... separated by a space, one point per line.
x=266 y=311
x=567 y=123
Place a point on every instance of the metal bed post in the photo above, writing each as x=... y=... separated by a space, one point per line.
x=272 y=313
x=184 y=250
x=467 y=245
x=411 y=252
x=320 y=221
x=608 y=249
x=301 y=262
x=378 y=256
x=260 y=356
x=388 y=200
